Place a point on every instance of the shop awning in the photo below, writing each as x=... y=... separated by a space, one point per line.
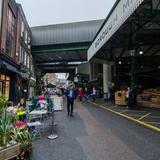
x=120 y=12
x=11 y=68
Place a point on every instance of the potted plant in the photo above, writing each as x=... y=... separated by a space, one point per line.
x=24 y=138
x=2 y=102
x=5 y=128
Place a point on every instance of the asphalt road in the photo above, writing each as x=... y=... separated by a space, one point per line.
x=96 y=134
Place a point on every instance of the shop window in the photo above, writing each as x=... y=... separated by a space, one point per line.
x=2 y=77
x=5 y=85
x=7 y=78
x=1 y=87
x=7 y=89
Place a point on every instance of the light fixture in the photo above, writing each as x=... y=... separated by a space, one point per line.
x=141 y=67
x=120 y=62
x=141 y=52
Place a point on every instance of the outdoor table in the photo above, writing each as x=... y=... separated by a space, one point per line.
x=38 y=112
x=33 y=124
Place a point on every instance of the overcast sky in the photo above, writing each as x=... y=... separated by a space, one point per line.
x=44 y=12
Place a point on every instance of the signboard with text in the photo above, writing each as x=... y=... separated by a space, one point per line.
x=119 y=15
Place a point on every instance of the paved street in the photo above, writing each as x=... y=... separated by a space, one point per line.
x=97 y=134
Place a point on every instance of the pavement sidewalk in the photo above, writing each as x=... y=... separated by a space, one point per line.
x=149 y=117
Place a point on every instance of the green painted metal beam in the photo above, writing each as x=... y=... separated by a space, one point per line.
x=60 y=48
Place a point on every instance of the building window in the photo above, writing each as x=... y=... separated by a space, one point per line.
x=31 y=63
x=10 y=38
x=21 y=55
x=28 y=59
x=29 y=42
x=22 y=29
x=25 y=58
x=26 y=36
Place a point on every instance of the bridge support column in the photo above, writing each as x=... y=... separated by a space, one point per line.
x=106 y=80
x=93 y=70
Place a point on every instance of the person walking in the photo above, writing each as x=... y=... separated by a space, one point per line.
x=70 y=94
x=80 y=94
x=94 y=94
x=86 y=94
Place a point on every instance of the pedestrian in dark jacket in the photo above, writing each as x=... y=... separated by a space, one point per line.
x=70 y=94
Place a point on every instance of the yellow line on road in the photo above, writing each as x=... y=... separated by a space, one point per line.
x=144 y=116
x=153 y=122
x=124 y=111
x=112 y=107
x=133 y=119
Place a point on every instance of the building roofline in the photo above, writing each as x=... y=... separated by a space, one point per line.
x=67 y=23
x=24 y=17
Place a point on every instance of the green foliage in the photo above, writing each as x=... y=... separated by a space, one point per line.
x=5 y=123
x=2 y=102
x=5 y=128
x=23 y=136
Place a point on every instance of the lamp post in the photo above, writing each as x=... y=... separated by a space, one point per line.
x=132 y=54
x=132 y=94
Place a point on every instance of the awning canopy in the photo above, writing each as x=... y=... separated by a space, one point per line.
x=131 y=26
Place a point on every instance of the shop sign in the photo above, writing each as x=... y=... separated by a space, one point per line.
x=118 y=16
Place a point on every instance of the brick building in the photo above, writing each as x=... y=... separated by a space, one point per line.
x=16 y=64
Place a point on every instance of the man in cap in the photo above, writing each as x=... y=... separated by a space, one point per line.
x=70 y=94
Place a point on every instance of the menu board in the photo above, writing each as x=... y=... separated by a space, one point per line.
x=57 y=103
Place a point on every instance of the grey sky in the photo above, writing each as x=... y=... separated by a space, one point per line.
x=44 y=12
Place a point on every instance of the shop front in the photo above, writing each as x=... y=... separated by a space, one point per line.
x=24 y=82
x=8 y=79
x=132 y=41
x=5 y=81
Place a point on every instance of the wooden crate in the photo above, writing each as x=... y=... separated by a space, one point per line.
x=148 y=104
x=120 y=100
x=10 y=152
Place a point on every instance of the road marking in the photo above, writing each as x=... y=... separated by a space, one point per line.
x=154 y=117
x=144 y=116
x=112 y=107
x=153 y=122
x=133 y=119
x=124 y=111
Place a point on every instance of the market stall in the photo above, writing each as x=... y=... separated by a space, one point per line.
x=19 y=127
x=149 y=98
